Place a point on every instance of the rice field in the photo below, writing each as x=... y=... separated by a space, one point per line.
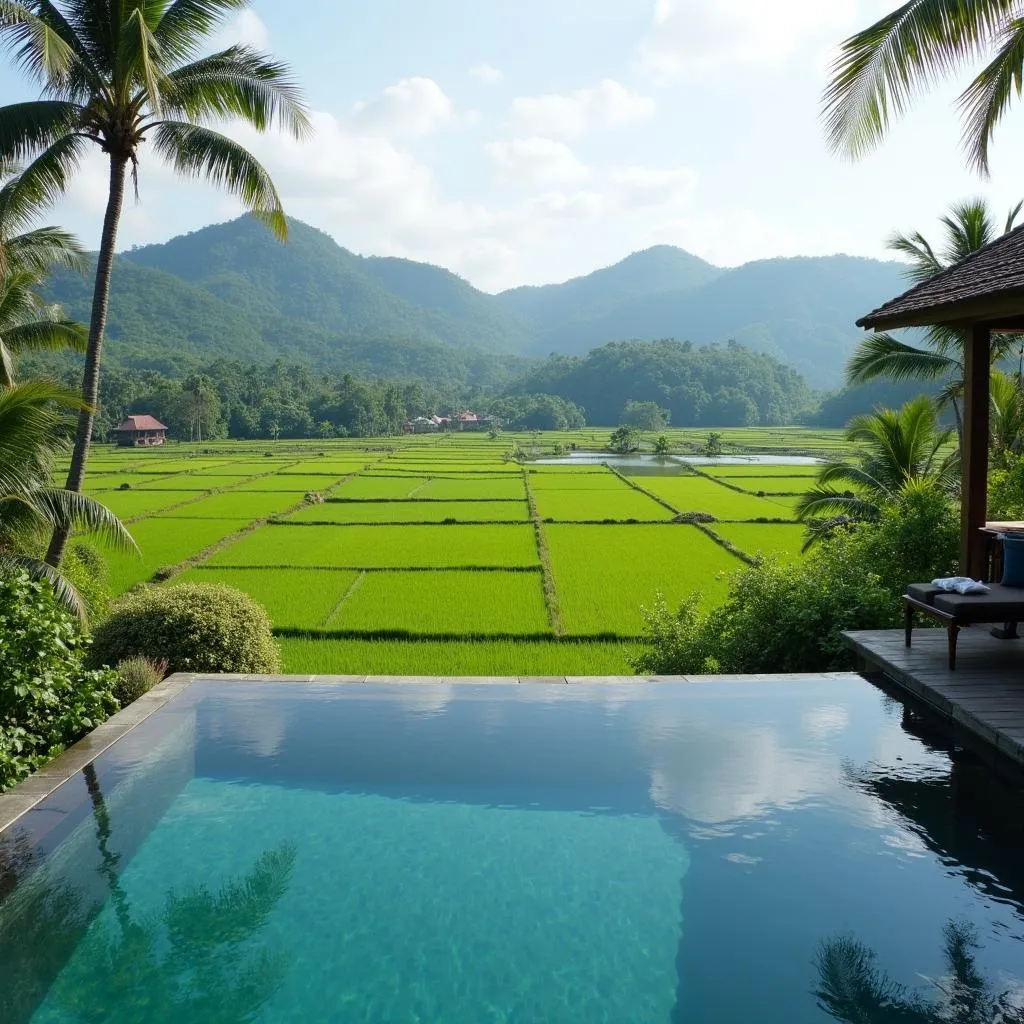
x=425 y=556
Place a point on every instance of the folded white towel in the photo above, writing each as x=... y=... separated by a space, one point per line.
x=960 y=585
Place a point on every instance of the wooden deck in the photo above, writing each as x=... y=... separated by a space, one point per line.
x=984 y=695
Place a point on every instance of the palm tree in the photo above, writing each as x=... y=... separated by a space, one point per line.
x=852 y=989
x=900 y=450
x=968 y=227
x=26 y=257
x=1006 y=418
x=881 y=69
x=120 y=75
x=32 y=430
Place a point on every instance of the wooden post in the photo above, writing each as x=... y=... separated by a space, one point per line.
x=974 y=457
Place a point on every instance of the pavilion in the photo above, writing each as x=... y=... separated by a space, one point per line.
x=983 y=698
x=980 y=295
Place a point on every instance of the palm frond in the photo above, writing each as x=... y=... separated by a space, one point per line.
x=37 y=569
x=62 y=508
x=38 y=48
x=186 y=24
x=987 y=99
x=47 y=336
x=880 y=70
x=43 y=249
x=882 y=355
x=969 y=227
x=241 y=83
x=201 y=153
x=49 y=175
x=924 y=264
x=27 y=129
x=821 y=502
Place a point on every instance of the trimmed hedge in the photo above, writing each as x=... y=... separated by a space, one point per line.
x=194 y=627
x=48 y=700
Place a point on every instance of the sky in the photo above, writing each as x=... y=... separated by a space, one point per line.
x=530 y=141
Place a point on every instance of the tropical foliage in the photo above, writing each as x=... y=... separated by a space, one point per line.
x=881 y=70
x=32 y=431
x=899 y=451
x=785 y=616
x=119 y=76
x=27 y=255
x=969 y=226
x=47 y=699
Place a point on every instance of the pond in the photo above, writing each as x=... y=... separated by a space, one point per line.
x=671 y=464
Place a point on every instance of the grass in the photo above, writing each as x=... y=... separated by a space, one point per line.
x=763 y=538
x=163 y=542
x=185 y=482
x=411 y=512
x=752 y=470
x=294 y=598
x=568 y=479
x=509 y=490
x=379 y=487
x=385 y=547
x=295 y=484
x=128 y=504
x=453 y=657
x=697 y=494
x=242 y=505
x=584 y=504
x=604 y=574
x=447 y=603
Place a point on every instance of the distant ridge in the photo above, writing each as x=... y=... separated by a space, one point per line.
x=231 y=290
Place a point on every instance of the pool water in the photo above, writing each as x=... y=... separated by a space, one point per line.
x=647 y=852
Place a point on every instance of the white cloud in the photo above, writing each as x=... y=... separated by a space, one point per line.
x=532 y=160
x=247 y=29
x=638 y=187
x=413 y=106
x=696 y=35
x=487 y=74
x=567 y=115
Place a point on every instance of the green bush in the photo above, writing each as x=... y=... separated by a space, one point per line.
x=789 y=617
x=194 y=627
x=86 y=570
x=1006 y=491
x=137 y=676
x=47 y=699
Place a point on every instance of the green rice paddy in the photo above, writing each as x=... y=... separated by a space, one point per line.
x=424 y=558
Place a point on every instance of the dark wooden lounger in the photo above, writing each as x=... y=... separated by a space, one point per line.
x=1001 y=604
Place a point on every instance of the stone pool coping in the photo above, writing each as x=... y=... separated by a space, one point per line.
x=37 y=787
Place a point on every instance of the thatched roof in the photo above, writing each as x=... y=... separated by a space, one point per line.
x=988 y=286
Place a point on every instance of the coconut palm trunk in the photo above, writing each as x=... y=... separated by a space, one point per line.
x=117 y=75
x=94 y=353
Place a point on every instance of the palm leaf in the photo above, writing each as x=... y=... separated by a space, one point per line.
x=63 y=508
x=26 y=129
x=987 y=99
x=47 y=336
x=882 y=355
x=186 y=23
x=238 y=82
x=924 y=264
x=880 y=70
x=37 y=569
x=201 y=153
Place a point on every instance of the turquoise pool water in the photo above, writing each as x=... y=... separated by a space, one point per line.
x=764 y=851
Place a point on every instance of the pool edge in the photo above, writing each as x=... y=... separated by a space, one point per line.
x=21 y=798
x=37 y=787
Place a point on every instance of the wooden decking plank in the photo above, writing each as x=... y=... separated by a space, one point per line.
x=984 y=694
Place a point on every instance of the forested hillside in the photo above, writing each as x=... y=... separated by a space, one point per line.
x=232 y=291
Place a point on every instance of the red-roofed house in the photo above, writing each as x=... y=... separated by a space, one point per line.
x=140 y=432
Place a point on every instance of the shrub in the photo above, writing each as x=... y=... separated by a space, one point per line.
x=137 y=676
x=313 y=498
x=47 y=699
x=85 y=568
x=1006 y=491
x=783 y=617
x=195 y=627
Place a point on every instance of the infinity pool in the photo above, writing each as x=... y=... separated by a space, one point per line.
x=772 y=852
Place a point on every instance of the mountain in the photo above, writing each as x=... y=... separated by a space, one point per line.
x=800 y=310
x=232 y=290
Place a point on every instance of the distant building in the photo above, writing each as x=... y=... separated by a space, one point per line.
x=422 y=425
x=474 y=421
x=140 y=432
